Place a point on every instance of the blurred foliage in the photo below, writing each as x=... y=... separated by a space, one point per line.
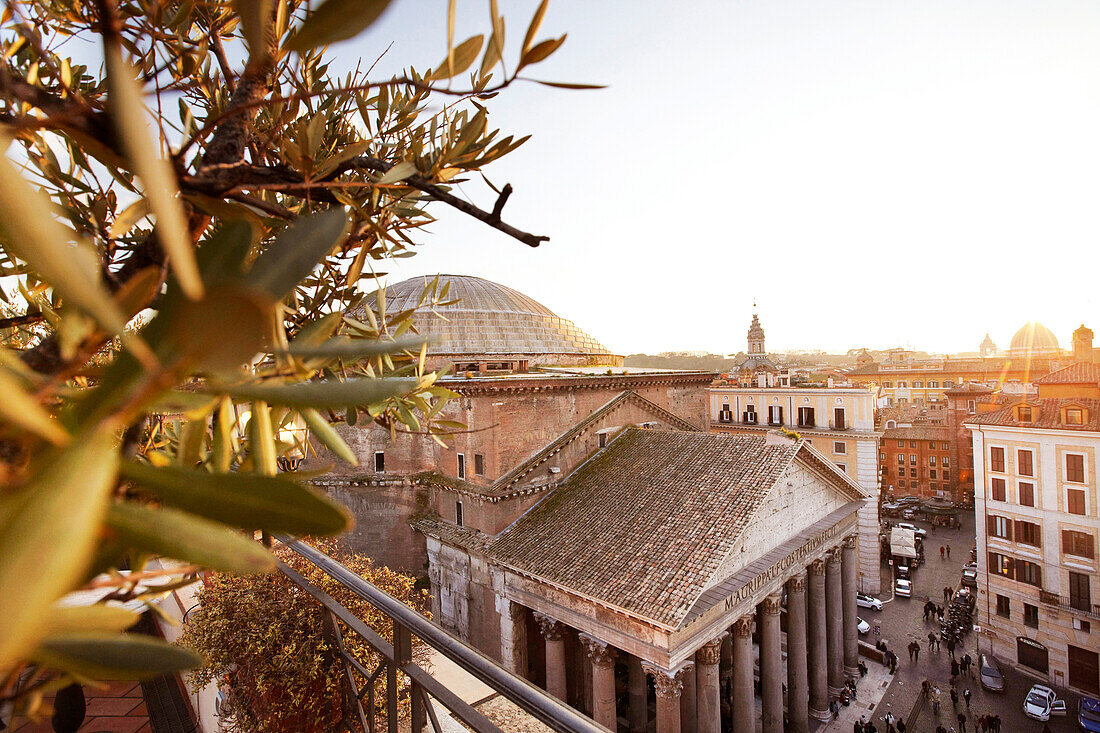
x=262 y=637
x=189 y=201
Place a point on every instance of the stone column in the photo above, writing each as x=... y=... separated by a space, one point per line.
x=708 y=704
x=602 y=658
x=834 y=621
x=849 y=570
x=687 y=697
x=771 y=664
x=555 y=655
x=639 y=696
x=798 y=699
x=513 y=636
x=817 y=646
x=669 y=686
x=744 y=707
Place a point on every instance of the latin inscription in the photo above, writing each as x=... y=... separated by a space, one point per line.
x=780 y=568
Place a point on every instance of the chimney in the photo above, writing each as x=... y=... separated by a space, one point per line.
x=1082 y=344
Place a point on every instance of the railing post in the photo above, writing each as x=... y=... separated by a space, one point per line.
x=402 y=655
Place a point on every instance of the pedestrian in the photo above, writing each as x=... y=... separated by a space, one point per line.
x=862 y=668
x=870 y=727
x=983 y=723
x=962 y=722
x=901 y=726
x=949 y=557
x=925 y=688
x=916 y=651
x=939 y=612
x=857 y=727
x=893 y=663
x=954 y=665
x=966 y=696
x=937 y=643
x=941 y=552
x=997 y=723
x=947 y=594
x=936 y=700
x=835 y=708
x=931 y=641
x=941 y=729
x=954 y=698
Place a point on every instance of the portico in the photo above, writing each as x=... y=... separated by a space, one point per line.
x=673 y=569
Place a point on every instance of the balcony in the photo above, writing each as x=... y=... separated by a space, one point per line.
x=424 y=693
x=841 y=425
x=1065 y=603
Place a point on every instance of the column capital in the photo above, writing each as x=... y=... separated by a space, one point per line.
x=817 y=567
x=797 y=583
x=773 y=604
x=743 y=626
x=851 y=541
x=551 y=628
x=711 y=652
x=668 y=685
x=600 y=654
x=832 y=555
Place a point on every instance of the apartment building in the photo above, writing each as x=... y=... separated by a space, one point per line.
x=916 y=461
x=838 y=421
x=1035 y=467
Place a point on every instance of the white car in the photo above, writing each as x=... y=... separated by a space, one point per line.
x=903 y=588
x=916 y=530
x=865 y=601
x=1041 y=703
x=862 y=625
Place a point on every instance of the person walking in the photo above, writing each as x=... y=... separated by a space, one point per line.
x=931 y=642
x=954 y=698
x=954 y=666
x=966 y=696
x=857 y=727
x=951 y=651
x=949 y=552
x=962 y=722
x=941 y=552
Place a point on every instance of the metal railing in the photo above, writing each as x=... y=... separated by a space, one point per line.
x=360 y=682
x=1066 y=603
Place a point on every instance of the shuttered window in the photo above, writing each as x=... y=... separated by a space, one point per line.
x=1077 y=543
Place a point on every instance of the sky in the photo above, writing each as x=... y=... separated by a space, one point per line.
x=872 y=173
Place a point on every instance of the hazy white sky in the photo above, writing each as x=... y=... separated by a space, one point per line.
x=874 y=173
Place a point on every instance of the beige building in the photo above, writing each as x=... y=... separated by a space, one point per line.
x=838 y=421
x=1035 y=464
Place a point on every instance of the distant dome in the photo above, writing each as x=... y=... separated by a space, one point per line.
x=1034 y=338
x=492 y=319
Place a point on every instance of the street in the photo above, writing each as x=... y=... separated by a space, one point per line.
x=901 y=621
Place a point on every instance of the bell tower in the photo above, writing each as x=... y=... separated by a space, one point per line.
x=1082 y=344
x=756 y=335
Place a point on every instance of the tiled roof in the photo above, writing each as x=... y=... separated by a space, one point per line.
x=655 y=514
x=1050 y=415
x=969 y=388
x=917 y=433
x=1081 y=372
x=453 y=535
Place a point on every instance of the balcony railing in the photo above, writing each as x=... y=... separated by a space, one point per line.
x=843 y=425
x=360 y=682
x=1066 y=603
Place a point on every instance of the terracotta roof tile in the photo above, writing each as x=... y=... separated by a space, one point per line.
x=1050 y=414
x=1081 y=372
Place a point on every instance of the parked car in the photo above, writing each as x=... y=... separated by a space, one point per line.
x=911 y=500
x=916 y=530
x=903 y=571
x=908 y=514
x=903 y=588
x=970 y=577
x=1042 y=702
x=862 y=625
x=865 y=601
x=990 y=670
x=1088 y=714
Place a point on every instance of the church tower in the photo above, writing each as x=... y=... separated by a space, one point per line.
x=987 y=347
x=1082 y=344
x=756 y=335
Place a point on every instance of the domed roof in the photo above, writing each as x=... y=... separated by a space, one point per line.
x=1034 y=338
x=490 y=318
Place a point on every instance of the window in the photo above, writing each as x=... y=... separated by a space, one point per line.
x=931 y=460
x=602 y=439
x=1075 y=416
x=1024 y=465
x=724 y=415
x=882 y=457
x=901 y=459
x=1000 y=564
x=901 y=483
x=888 y=385
x=901 y=444
x=1004 y=606
x=775 y=415
x=997 y=459
x=1079 y=595
x=379 y=461
x=932 y=444
x=1029 y=534
x=1029 y=572
x=840 y=448
x=970 y=406
x=1075 y=468
x=912 y=459
x=458 y=513
x=806 y=417
x=946 y=475
x=999 y=526
x=479 y=464
x=1026 y=492
x=945 y=461
x=913 y=473
x=1082 y=625
x=932 y=473
x=912 y=444
x=901 y=385
x=1023 y=414
x=1077 y=543
x=934 y=384
x=948 y=383
x=1075 y=501
x=917 y=384
x=461 y=466
x=1031 y=616
x=749 y=415
x=838 y=418
x=997 y=489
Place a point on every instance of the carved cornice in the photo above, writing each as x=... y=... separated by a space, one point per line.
x=710 y=653
x=669 y=685
x=773 y=604
x=551 y=629
x=797 y=584
x=598 y=652
x=817 y=567
x=743 y=626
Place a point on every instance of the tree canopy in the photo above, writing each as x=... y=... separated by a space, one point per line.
x=186 y=211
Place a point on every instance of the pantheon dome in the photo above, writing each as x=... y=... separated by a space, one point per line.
x=492 y=321
x=1034 y=339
